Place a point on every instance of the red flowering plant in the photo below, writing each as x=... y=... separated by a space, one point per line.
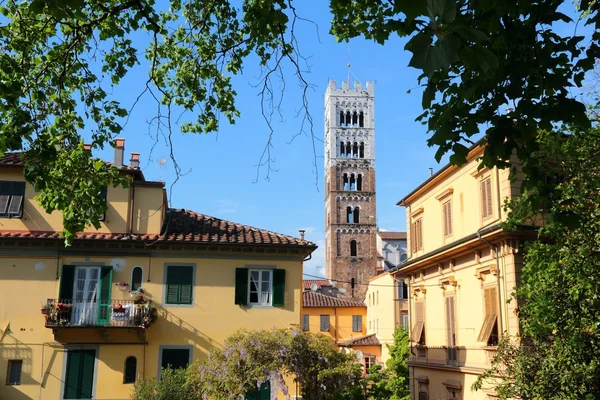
x=118 y=308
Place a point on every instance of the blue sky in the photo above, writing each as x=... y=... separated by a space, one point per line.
x=221 y=170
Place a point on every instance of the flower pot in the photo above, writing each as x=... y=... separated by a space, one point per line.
x=44 y=310
x=122 y=288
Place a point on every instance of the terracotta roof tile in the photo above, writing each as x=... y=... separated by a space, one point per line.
x=368 y=340
x=319 y=282
x=314 y=299
x=186 y=227
x=385 y=235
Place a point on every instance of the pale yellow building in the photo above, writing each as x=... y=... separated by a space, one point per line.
x=461 y=269
x=153 y=286
x=387 y=308
x=343 y=320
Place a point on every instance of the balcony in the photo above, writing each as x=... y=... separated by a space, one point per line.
x=69 y=313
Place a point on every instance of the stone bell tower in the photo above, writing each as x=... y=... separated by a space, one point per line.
x=350 y=218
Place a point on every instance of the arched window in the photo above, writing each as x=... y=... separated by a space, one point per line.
x=355 y=150
x=341 y=118
x=356 y=218
x=348 y=118
x=355 y=119
x=349 y=215
x=359 y=182
x=348 y=149
x=130 y=370
x=362 y=150
x=346 y=184
x=361 y=119
x=352 y=182
x=353 y=248
x=136 y=278
x=342 y=149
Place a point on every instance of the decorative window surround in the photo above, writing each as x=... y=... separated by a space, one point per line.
x=444 y=194
x=448 y=281
x=487 y=269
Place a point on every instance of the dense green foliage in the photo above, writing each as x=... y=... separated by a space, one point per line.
x=392 y=382
x=559 y=298
x=173 y=385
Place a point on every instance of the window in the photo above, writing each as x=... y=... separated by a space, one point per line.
x=103 y=194
x=489 y=329
x=262 y=393
x=136 y=278
x=485 y=189
x=423 y=396
x=402 y=292
x=345 y=183
x=418 y=333
x=359 y=182
x=325 y=323
x=405 y=321
x=13 y=373
x=361 y=119
x=356 y=215
x=357 y=323
x=361 y=152
x=416 y=235
x=342 y=119
x=353 y=248
x=130 y=370
x=180 y=284
x=369 y=362
x=447 y=217
x=349 y=215
x=11 y=199
x=263 y=287
x=175 y=357
x=305 y=322
x=451 y=329
x=352 y=182
x=79 y=374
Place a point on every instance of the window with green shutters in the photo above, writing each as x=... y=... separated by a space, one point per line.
x=79 y=374
x=179 y=286
x=357 y=323
x=262 y=393
x=175 y=358
x=324 y=326
x=259 y=287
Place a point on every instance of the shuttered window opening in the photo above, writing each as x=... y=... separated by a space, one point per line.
x=79 y=374
x=260 y=287
x=451 y=329
x=357 y=323
x=130 y=372
x=423 y=396
x=485 y=188
x=175 y=358
x=13 y=373
x=489 y=329
x=305 y=322
x=418 y=332
x=324 y=323
x=417 y=235
x=180 y=284
x=447 y=214
x=11 y=199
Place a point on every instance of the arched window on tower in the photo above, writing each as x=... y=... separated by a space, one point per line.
x=355 y=119
x=342 y=149
x=348 y=118
x=349 y=215
x=355 y=150
x=341 y=118
x=346 y=183
x=361 y=119
x=348 y=149
x=130 y=370
x=353 y=248
x=361 y=152
x=359 y=182
x=352 y=182
x=356 y=218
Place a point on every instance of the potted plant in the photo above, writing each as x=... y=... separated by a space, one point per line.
x=63 y=307
x=44 y=308
x=122 y=285
x=138 y=298
x=118 y=308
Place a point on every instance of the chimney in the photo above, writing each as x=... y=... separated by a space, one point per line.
x=119 y=151
x=87 y=147
x=301 y=233
x=135 y=160
x=430 y=172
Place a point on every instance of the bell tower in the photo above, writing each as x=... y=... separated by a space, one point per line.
x=350 y=218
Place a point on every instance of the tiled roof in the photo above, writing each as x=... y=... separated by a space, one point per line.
x=369 y=340
x=184 y=226
x=16 y=159
x=314 y=299
x=385 y=235
x=319 y=282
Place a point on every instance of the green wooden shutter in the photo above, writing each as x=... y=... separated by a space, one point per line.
x=86 y=385
x=278 y=287
x=241 y=286
x=104 y=306
x=173 y=279
x=186 y=285
x=262 y=393
x=67 y=280
x=73 y=374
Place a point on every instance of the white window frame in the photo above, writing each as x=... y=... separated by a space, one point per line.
x=259 y=287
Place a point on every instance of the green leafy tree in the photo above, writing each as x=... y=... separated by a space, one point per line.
x=250 y=358
x=556 y=356
x=173 y=385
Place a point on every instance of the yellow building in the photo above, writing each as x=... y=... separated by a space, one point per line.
x=387 y=308
x=461 y=269
x=343 y=320
x=75 y=321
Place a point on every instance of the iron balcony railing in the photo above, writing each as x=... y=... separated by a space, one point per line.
x=91 y=313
